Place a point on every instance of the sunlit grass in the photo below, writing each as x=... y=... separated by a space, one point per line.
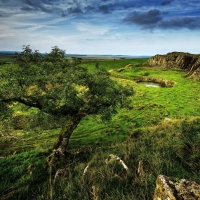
x=157 y=130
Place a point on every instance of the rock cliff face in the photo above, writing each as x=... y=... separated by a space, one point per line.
x=178 y=60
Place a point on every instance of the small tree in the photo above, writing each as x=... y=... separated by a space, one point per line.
x=62 y=88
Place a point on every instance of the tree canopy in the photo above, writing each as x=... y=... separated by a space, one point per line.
x=61 y=87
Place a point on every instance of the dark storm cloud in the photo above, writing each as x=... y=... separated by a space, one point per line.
x=4 y=1
x=71 y=11
x=166 y=2
x=191 y=23
x=89 y=8
x=105 y=9
x=52 y=7
x=117 y=6
x=130 y=5
x=37 y=6
x=184 y=14
x=142 y=19
x=76 y=10
x=74 y=7
x=27 y=8
x=155 y=19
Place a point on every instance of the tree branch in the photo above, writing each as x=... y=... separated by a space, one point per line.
x=31 y=103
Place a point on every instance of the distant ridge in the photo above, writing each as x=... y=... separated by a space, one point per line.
x=84 y=55
x=101 y=56
x=8 y=52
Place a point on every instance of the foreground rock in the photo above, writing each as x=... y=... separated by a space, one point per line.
x=170 y=189
x=178 y=60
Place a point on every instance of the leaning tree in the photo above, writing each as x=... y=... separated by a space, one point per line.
x=61 y=87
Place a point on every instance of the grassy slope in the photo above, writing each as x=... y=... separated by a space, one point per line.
x=140 y=133
x=6 y=59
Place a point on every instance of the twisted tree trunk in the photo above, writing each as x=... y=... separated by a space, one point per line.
x=66 y=132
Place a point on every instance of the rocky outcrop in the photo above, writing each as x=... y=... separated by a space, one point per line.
x=171 y=189
x=177 y=60
x=195 y=70
x=162 y=82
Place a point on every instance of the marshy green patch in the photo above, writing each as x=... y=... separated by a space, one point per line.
x=161 y=130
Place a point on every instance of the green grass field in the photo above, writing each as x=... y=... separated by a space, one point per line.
x=6 y=59
x=162 y=128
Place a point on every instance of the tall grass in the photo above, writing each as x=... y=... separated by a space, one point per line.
x=161 y=132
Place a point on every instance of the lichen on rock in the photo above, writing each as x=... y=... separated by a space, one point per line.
x=171 y=189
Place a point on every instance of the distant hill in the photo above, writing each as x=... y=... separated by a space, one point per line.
x=7 y=52
x=84 y=56
x=178 y=60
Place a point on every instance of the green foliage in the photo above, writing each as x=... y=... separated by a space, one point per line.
x=6 y=112
x=61 y=87
x=162 y=131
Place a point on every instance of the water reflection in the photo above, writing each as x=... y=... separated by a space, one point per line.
x=150 y=84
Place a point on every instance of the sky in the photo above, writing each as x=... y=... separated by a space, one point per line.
x=117 y=27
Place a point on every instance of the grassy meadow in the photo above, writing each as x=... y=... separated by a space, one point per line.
x=161 y=129
x=6 y=59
